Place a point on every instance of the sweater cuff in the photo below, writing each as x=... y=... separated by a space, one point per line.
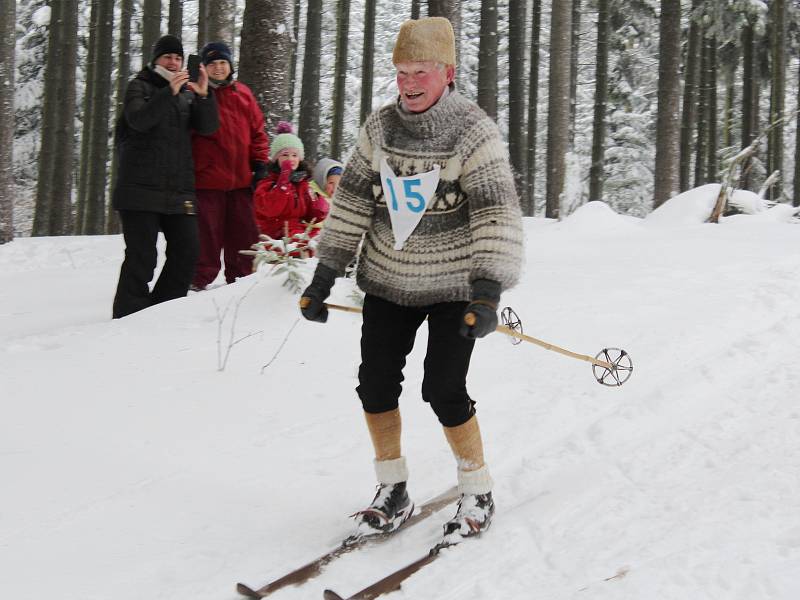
x=486 y=290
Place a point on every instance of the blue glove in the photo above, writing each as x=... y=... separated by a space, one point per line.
x=312 y=302
x=480 y=316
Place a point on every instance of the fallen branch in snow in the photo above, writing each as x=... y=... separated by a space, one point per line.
x=621 y=572
x=768 y=183
x=727 y=188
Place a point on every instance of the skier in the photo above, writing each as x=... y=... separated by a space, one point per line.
x=429 y=186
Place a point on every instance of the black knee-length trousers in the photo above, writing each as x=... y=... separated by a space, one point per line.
x=387 y=337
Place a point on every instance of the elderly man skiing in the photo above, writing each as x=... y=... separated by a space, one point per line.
x=430 y=189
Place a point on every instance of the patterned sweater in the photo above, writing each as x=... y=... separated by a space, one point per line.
x=472 y=228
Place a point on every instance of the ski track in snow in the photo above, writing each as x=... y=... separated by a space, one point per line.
x=130 y=462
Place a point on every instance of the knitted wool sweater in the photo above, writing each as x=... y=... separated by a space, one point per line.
x=472 y=228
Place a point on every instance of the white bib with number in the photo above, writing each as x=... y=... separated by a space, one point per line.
x=407 y=199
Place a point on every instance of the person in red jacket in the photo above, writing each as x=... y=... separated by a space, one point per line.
x=227 y=164
x=284 y=203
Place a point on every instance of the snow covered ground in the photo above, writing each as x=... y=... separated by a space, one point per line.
x=132 y=468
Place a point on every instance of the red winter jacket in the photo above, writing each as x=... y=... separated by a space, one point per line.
x=280 y=204
x=225 y=160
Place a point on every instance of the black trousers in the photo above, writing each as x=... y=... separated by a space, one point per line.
x=140 y=230
x=387 y=336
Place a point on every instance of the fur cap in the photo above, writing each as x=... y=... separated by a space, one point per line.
x=430 y=39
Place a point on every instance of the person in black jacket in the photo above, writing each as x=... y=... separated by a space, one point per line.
x=154 y=188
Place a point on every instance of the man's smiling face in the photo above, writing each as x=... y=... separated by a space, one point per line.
x=421 y=84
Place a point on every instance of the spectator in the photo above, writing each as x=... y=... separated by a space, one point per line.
x=327 y=174
x=285 y=205
x=226 y=164
x=154 y=188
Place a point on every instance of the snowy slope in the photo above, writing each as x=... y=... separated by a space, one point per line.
x=129 y=462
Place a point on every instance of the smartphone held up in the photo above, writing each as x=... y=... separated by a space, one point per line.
x=193 y=67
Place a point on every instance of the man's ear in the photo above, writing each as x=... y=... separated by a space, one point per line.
x=450 y=71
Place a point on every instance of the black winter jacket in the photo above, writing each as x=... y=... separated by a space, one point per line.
x=153 y=138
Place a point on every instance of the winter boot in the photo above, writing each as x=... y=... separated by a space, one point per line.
x=390 y=508
x=473 y=517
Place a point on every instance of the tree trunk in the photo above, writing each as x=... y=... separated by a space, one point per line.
x=151 y=27
x=575 y=44
x=728 y=59
x=516 y=91
x=175 y=22
x=367 y=57
x=711 y=107
x=777 y=99
x=308 y=128
x=7 y=24
x=123 y=74
x=487 y=59
x=203 y=8
x=50 y=118
x=265 y=66
x=340 y=76
x=221 y=22
x=669 y=91
x=54 y=184
x=529 y=201
x=95 y=191
x=796 y=191
x=558 y=104
x=691 y=74
x=295 y=53
x=596 y=171
x=701 y=142
x=88 y=111
x=749 y=96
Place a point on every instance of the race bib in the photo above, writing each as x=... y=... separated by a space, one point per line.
x=407 y=199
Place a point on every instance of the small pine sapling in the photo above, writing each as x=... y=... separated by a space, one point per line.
x=285 y=256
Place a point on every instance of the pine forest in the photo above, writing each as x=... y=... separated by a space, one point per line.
x=625 y=101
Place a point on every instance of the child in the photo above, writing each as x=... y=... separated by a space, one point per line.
x=327 y=174
x=284 y=203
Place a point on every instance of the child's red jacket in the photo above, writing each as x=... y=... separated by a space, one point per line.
x=283 y=207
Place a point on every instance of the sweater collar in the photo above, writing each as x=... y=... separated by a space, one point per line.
x=437 y=116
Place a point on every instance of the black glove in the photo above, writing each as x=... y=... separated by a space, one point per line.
x=298 y=176
x=480 y=316
x=259 y=172
x=312 y=302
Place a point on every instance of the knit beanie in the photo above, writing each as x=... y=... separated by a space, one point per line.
x=167 y=44
x=421 y=40
x=216 y=51
x=285 y=139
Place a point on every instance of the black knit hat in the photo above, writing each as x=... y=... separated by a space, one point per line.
x=216 y=51
x=167 y=44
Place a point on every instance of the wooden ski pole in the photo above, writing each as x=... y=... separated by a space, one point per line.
x=505 y=330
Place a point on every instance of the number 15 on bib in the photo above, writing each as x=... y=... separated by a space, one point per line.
x=407 y=199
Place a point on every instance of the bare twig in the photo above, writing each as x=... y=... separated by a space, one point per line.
x=283 y=343
x=223 y=361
